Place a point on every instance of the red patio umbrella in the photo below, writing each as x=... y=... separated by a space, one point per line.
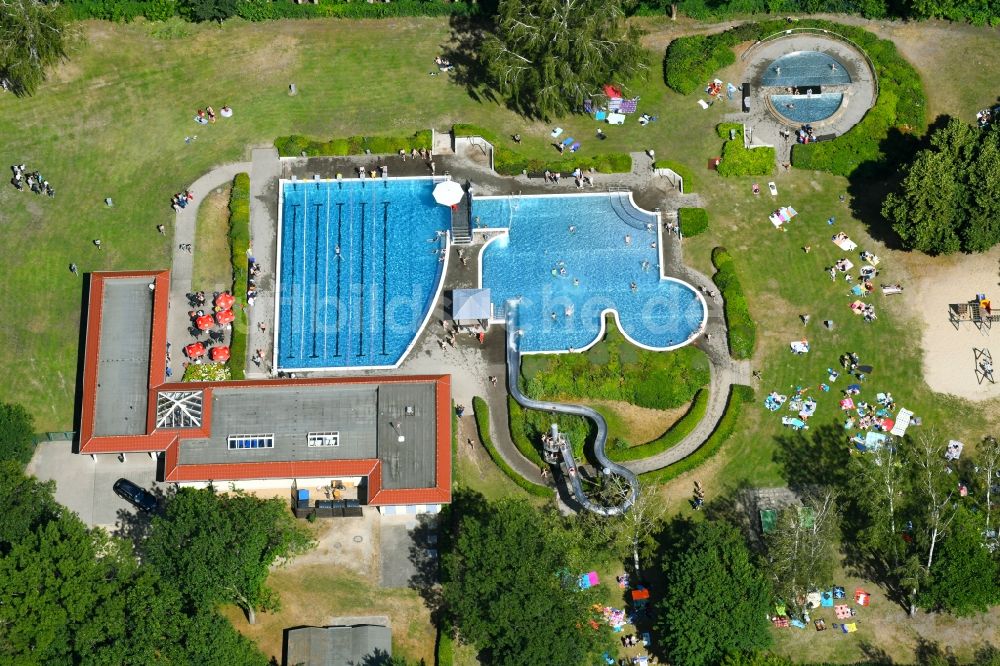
x=225 y=300
x=225 y=317
x=204 y=322
x=219 y=353
x=194 y=350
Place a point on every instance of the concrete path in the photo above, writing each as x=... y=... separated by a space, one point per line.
x=182 y=267
x=264 y=173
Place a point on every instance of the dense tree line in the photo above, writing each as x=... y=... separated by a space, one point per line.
x=949 y=200
x=72 y=594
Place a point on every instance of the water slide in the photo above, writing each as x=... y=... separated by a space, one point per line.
x=513 y=375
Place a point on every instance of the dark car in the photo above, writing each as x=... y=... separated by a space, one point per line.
x=136 y=496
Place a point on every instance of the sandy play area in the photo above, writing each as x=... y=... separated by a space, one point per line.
x=949 y=359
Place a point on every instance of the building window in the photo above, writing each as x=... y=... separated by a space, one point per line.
x=251 y=441
x=324 y=439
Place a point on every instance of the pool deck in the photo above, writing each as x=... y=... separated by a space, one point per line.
x=469 y=362
x=859 y=96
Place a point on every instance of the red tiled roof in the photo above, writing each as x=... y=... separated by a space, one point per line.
x=170 y=441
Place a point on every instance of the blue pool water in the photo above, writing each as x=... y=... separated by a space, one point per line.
x=366 y=306
x=528 y=262
x=806 y=68
x=807 y=109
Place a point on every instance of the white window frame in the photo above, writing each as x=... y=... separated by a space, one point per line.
x=322 y=439
x=266 y=441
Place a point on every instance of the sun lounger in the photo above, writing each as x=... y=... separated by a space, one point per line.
x=556 y=132
x=702 y=103
x=774 y=189
x=616 y=119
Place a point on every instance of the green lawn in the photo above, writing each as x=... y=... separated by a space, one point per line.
x=212 y=266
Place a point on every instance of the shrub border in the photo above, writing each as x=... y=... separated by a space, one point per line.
x=738 y=395
x=294 y=145
x=482 y=413
x=678 y=431
x=734 y=303
x=239 y=247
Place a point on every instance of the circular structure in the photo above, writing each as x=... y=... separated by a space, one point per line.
x=809 y=81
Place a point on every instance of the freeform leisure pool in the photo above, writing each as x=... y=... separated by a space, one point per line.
x=566 y=260
x=360 y=263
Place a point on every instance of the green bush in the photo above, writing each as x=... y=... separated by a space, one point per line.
x=693 y=221
x=723 y=431
x=239 y=247
x=516 y=422
x=445 y=652
x=901 y=104
x=482 y=412
x=687 y=175
x=741 y=326
x=681 y=429
x=690 y=61
x=738 y=160
x=296 y=144
x=266 y=10
x=508 y=162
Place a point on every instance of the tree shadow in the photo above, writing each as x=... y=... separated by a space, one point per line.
x=816 y=457
x=425 y=555
x=874 y=655
x=467 y=35
x=872 y=181
x=929 y=653
x=738 y=507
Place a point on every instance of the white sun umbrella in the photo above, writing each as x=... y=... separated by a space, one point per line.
x=448 y=193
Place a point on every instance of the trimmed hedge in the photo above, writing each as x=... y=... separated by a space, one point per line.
x=738 y=160
x=239 y=247
x=296 y=144
x=723 y=431
x=681 y=429
x=515 y=417
x=508 y=162
x=742 y=329
x=482 y=412
x=693 y=221
x=682 y=170
x=125 y=11
x=691 y=61
x=445 y=649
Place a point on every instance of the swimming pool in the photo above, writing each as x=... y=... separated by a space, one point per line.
x=360 y=262
x=805 y=68
x=807 y=108
x=566 y=260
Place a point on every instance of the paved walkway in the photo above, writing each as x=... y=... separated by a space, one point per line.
x=263 y=247
x=182 y=267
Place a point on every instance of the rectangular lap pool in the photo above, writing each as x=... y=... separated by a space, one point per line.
x=360 y=263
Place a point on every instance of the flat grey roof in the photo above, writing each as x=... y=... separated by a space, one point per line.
x=339 y=646
x=123 y=361
x=290 y=413
x=410 y=463
x=369 y=419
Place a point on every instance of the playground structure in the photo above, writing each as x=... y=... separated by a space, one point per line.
x=978 y=311
x=556 y=445
x=984 y=365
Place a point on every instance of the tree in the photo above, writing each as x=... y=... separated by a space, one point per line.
x=989 y=465
x=963 y=579
x=17 y=432
x=932 y=504
x=949 y=199
x=625 y=533
x=509 y=585
x=33 y=37
x=208 y=10
x=800 y=549
x=27 y=504
x=547 y=56
x=715 y=600
x=877 y=482
x=219 y=548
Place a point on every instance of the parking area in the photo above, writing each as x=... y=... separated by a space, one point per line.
x=85 y=485
x=409 y=551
